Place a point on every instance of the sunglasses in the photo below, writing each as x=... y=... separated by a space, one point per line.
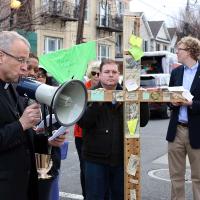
x=95 y=73
x=41 y=76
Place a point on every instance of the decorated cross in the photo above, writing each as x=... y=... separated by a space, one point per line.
x=132 y=98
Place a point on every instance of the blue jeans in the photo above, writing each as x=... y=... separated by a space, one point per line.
x=100 y=178
x=79 y=143
x=54 y=193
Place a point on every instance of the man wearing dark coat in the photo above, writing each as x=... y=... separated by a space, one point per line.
x=183 y=132
x=18 y=141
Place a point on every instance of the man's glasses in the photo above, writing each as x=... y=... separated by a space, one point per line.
x=179 y=49
x=95 y=73
x=19 y=59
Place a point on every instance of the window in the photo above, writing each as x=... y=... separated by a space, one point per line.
x=118 y=46
x=52 y=6
x=77 y=4
x=145 y=45
x=45 y=2
x=103 y=51
x=165 y=47
x=86 y=12
x=120 y=7
x=45 y=5
x=104 y=14
x=157 y=47
x=172 y=50
x=52 y=44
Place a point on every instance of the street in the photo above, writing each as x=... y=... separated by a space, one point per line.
x=155 y=177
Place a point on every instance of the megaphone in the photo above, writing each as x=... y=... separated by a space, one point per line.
x=68 y=101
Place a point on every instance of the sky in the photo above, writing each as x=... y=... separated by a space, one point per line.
x=166 y=10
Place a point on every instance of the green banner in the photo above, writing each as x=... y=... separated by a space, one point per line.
x=67 y=64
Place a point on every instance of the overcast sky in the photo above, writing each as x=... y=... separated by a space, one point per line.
x=166 y=10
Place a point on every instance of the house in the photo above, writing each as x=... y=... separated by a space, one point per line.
x=161 y=38
x=155 y=34
x=145 y=31
x=52 y=24
x=173 y=36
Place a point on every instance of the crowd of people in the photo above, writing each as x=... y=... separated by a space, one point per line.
x=98 y=134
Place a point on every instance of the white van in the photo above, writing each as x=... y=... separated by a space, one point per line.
x=155 y=62
x=156 y=67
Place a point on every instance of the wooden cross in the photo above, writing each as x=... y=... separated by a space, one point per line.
x=131 y=71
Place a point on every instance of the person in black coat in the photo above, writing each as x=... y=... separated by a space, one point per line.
x=49 y=189
x=18 y=141
x=103 y=151
x=183 y=132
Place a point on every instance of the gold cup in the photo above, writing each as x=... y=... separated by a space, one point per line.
x=43 y=165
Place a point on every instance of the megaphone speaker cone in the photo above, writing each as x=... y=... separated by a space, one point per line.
x=70 y=102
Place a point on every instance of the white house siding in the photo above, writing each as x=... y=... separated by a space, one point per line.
x=173 y=43
x=162 y=38
x=145 y=35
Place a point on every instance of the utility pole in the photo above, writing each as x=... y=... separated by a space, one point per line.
x=187 y=19
x=81 y=18
x=187 y=6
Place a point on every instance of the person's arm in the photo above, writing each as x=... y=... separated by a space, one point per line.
x=11 y=135
x=175 y=105
x=195 y=107
x=144 y=114
x=90 y=116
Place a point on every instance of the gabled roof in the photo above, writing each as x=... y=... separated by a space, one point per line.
x=172 y=32
x=155 y=27
x=138 y=14
x=143 y=17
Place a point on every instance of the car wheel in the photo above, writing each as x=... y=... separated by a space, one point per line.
x=165 y=113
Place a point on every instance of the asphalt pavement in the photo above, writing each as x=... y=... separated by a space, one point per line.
x=155 y=184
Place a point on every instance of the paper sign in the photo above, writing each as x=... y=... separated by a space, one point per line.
x=133 y=194
x=136 y=52
x=166 y=96
x=58 y=132
x=41 y=124
x=132 y=96
x=133 y=163
x=145 y=95
x=176 y=89
x=134 y=181
x=66 y=64
x=118 y=95
x=135 y=41
x=97 y=95
x=132 y=125
x=131 y=85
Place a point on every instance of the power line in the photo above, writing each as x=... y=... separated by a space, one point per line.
x=164 y=13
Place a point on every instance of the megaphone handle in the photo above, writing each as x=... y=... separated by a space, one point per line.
x=44 y=118
x=49 y=149
x=50 y=121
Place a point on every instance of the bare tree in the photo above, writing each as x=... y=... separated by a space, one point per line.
x=188 y=22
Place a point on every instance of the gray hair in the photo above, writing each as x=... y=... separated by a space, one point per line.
x=8 y=37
